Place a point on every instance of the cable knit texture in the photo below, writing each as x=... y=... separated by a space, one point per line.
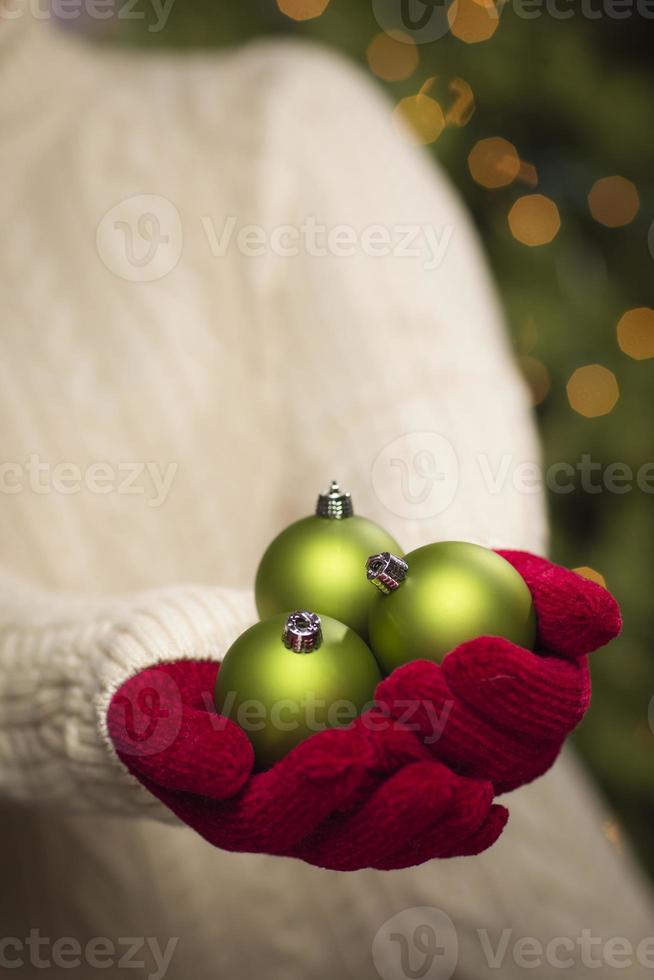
x=391 y=790
x=62 y=662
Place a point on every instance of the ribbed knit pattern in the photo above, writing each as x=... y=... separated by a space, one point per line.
x=62 y=662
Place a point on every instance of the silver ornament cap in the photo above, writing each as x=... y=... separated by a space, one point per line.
x=336 y=504
x=386 y=571
x=302 y=631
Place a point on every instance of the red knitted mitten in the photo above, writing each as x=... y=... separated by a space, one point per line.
x=411 y=780
x=496 y=711
x=371 y=795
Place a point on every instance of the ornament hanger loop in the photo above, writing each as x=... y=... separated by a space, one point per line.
x=386 y=571
x=302 y=632
x=336 y=504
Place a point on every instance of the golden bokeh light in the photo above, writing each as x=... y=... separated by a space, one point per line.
x=636 y=333
x=302 y=9
x=614 y=201
x=392 y=56
x=537 y=377
x=593 y=390
x=473 y=21
x=591 y=574
x=461 y=111
x=494 y=162
x=419 y=119
x=528 y=174
x=534 y=220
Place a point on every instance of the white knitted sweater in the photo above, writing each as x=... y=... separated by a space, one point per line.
x=252 y=377
x=135 y=332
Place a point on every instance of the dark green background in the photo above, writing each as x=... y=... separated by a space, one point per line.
x=576 y=97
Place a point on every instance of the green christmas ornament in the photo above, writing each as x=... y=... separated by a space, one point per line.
x=316 y=563
x=292 y=675
x=442 y=595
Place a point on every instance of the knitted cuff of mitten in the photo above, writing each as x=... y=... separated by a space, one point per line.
x=61 y=660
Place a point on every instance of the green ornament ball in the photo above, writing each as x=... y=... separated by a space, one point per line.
x=441 y=595
x=317 y=562
x=292 y=675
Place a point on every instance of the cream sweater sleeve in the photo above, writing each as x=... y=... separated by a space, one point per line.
x=61 y=659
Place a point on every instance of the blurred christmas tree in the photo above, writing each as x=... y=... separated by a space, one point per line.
x=530 y=108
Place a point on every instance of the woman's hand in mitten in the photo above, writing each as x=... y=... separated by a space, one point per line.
x=370 y=795
x=493 y=710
